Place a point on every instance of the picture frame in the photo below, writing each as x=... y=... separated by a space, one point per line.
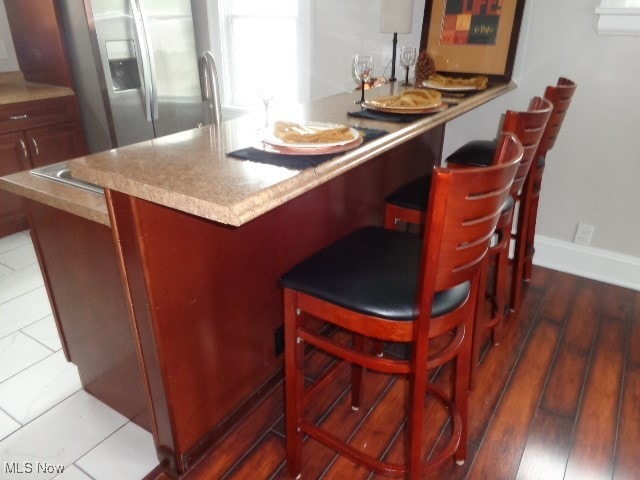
x=472 y=37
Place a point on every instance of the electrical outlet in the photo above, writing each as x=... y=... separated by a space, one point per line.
x=584 y=232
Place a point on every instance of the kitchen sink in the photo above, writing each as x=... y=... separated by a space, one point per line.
x=60 y=172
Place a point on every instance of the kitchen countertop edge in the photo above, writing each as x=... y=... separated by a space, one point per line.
x=82 y=203
x=250 y=206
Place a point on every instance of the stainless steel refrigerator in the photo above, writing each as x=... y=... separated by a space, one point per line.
x=136 y=69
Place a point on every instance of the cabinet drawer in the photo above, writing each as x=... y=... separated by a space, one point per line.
x=38 y=113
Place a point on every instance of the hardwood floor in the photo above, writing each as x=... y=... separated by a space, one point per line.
x=558 y=399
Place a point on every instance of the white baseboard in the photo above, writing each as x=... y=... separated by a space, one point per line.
x=594 y=263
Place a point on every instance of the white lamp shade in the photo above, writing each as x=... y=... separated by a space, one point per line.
x=396 y=16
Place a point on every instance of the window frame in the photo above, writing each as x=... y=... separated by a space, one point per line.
x=302 y=22
x=616 y=18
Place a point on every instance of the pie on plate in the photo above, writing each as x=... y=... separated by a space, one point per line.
x=412 y=100
x=456 y=84
x=309 y=138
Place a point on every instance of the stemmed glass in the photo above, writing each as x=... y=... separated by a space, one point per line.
x=266 y=94
x=408 y=57
x=362 y=69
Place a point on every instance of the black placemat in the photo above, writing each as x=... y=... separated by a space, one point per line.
x=387 y=117
x=297 y=162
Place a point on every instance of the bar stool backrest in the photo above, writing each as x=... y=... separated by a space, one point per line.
x=466 y=229
x=560 y=96
x=528 y=127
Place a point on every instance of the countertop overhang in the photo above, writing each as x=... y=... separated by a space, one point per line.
x=190 y=171
x=70 y=199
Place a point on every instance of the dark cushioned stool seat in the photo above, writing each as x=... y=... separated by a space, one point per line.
x=371 y=271
x=478 y=153
x=413 y=195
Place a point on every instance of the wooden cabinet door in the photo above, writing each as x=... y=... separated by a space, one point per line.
x=39 y=41
x=56 y=143
x=13 y=158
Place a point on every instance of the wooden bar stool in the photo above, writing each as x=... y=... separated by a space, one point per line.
x=528 y=126
x=404 y=205
x=388 y=286
x=560 y=96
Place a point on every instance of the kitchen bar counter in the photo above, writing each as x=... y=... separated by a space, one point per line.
x=201 y=239
x=191 y=172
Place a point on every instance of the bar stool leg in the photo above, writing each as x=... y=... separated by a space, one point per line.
x=356 y=374
x=294 y=386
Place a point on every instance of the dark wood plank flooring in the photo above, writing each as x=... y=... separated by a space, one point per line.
x=558 y=399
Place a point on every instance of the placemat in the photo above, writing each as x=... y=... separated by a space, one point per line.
x=386 y=116
x=298 y=162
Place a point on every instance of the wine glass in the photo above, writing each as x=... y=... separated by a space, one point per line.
x=408 y=57
x=266 y=94
x=362 y=69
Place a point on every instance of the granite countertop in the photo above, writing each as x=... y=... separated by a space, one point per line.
x=83 y=203
x=190 y=171
x=14 y=89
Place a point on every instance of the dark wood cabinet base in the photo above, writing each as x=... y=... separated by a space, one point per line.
x=82 y=277
x=206 y=299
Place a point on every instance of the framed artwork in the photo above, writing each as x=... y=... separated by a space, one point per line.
x=475 y=37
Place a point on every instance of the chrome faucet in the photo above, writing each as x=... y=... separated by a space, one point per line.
x=209 y=87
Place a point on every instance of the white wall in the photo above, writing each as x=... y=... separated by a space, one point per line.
x=593 y=173
x=342 y=28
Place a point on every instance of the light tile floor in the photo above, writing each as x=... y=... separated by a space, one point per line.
x=49 y=426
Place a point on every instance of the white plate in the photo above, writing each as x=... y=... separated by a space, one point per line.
x=267 y=136
x=444 y=88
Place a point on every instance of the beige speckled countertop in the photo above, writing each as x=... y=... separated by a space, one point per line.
x=14 y=89
x=80 y=202
x=190 y=171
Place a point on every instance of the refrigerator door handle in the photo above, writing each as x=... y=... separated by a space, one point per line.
x=144 y=55
x=152 y=62
x=209 y=86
